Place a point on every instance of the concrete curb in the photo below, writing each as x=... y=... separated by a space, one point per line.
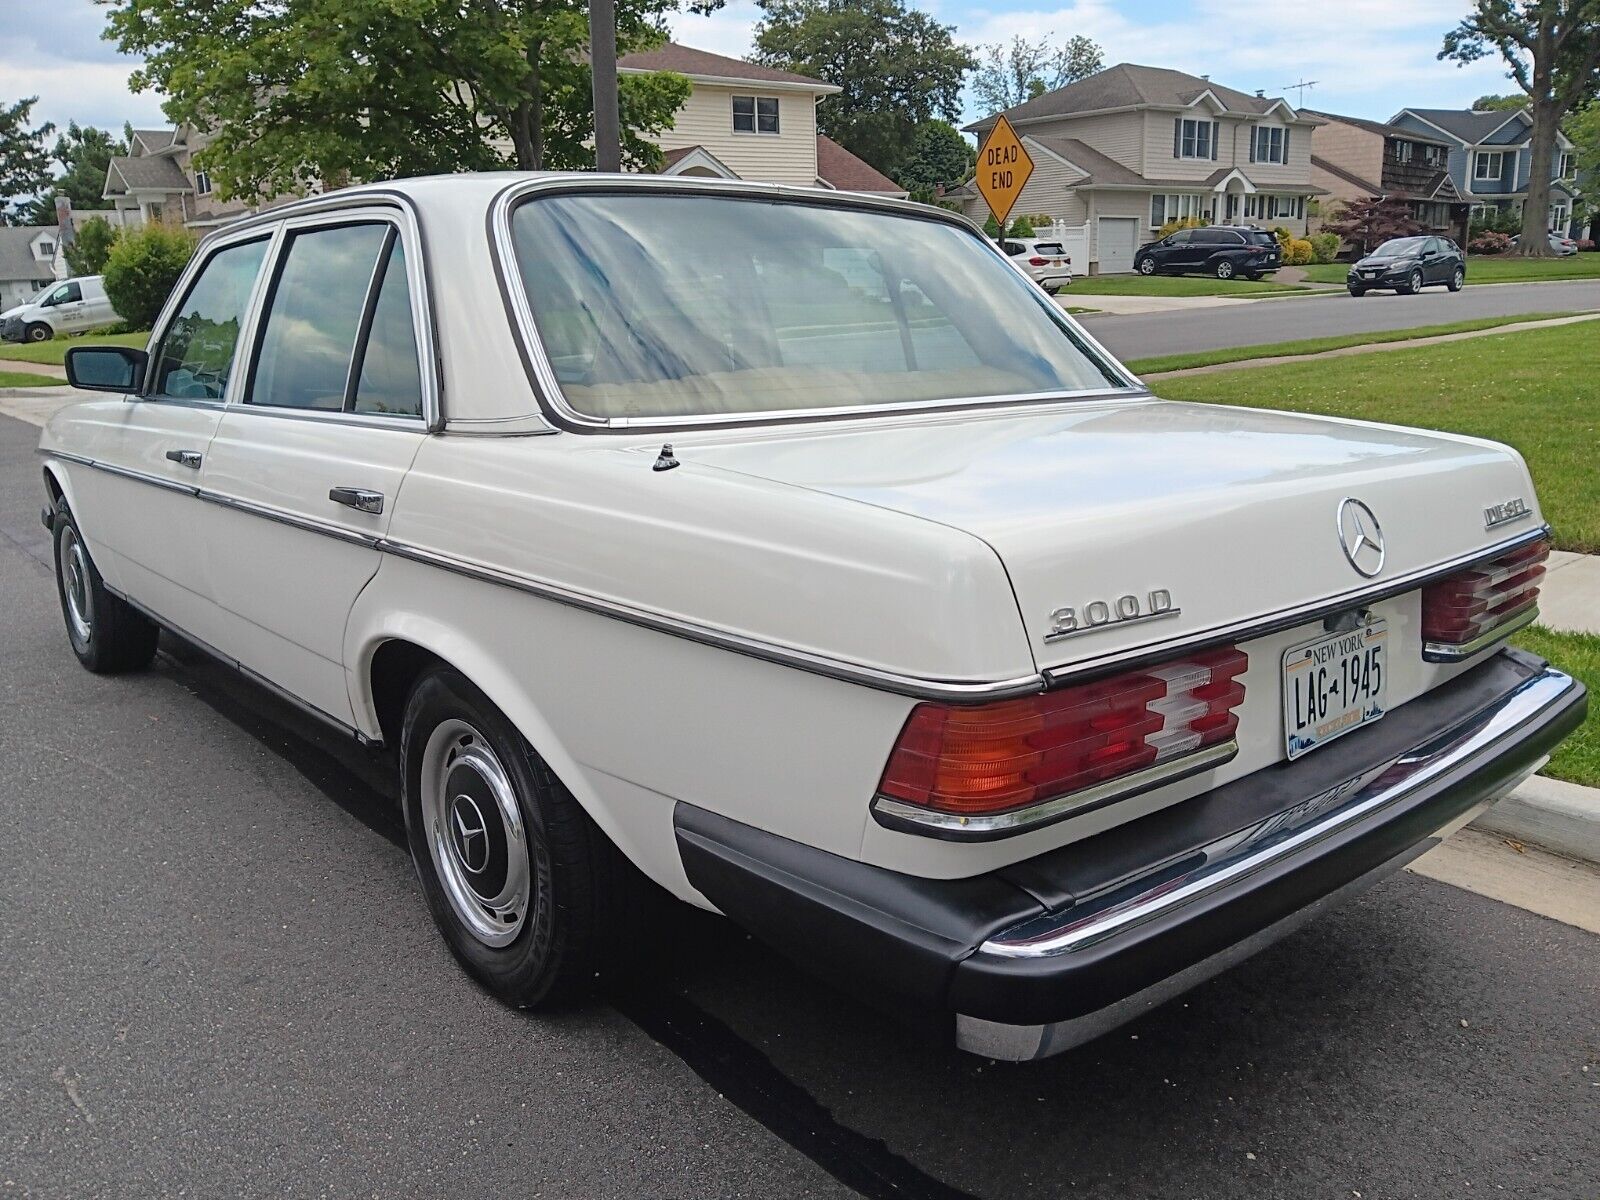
x=1563 y=817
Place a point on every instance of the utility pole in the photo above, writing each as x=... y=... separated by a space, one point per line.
x=603 y=68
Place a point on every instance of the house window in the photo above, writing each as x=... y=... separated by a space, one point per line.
x=1566 y=165
x=1286 y=207
x=202 y=184
x=1560 y=216
x=1175 y=207
x=1269 y=144
x=47 y=249
x=1197 y=139
x=1487 y=164
x=755 y=114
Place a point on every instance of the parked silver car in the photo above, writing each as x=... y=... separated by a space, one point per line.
x=1560 y=244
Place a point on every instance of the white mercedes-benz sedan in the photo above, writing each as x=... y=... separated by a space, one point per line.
x=792 y=554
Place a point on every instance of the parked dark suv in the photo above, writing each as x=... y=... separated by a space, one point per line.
x=1409 y=264
x=1220 y=250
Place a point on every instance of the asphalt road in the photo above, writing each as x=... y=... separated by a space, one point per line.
x=1150 y=334
x=217 y=978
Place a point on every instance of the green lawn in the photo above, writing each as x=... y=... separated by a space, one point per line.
x=11 y=379
x=1578 y=654
x=1172 y=285
x=56 y=351
x=1535 y=390
x=1207 y=358
x=1494 y=269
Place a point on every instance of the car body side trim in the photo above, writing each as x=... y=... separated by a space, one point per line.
x=233 y=664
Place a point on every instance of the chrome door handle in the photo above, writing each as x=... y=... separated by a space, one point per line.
x=185 y=458
x=357 y=498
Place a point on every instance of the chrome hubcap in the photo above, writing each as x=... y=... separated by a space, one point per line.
x=75 y=581
x=475 y=833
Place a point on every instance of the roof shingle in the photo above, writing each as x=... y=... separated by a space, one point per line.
x=146 y=174
x=838 y=168
x=686 y=60
x=16 y=253
x=1127 y=85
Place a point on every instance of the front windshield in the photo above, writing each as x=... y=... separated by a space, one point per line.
x=674 y=306
x=1399 y=247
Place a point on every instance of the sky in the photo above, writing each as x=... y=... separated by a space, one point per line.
x=1368 y=58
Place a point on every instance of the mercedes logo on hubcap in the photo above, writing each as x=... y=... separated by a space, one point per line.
x=470 y=832
x=1361 y=536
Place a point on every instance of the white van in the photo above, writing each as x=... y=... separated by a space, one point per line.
x=71 y=306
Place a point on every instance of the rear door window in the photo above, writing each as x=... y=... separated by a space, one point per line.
x=198 y=349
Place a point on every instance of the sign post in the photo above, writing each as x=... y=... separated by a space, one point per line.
x=1003 y=168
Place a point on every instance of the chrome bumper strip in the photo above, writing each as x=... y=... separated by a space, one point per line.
x=1446 y=653
x=1247 y=851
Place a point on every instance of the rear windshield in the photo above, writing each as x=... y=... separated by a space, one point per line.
x=1262 y=237
x=662 y=307
x=1049 y=248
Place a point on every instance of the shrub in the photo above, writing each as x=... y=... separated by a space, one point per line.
x=1585 y=244
x=1500 y=220
x=142 y=268
x=1284 y=237
x=89 y=250
x=1021 y=227
x=1489 y=242
x=1178 y=223
x=1298 y=253
x=1324 y=247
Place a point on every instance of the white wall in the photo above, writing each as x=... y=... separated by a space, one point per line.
x=789 y=156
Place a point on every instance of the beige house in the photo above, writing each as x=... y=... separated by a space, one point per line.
x=746 y=121
x=1126 y=150
x=157 y=181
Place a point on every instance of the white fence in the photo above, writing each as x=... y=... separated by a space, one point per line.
x=1074 y=240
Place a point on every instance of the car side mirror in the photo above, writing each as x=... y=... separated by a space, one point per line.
x=106 y=368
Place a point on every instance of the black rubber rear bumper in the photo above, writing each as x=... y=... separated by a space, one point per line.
x=987 y=946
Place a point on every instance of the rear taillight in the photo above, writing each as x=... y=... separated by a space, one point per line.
x=1465 y=612
x=1036 y=261
x=1081 y=745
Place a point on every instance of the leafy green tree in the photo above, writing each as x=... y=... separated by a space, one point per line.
x=92 y=247
x=84 y=153
x=24 y=161
x=896 y=68
x=1551 y=49
x=940 y=157
x=1583 y=127
x=1010 y=75
x=1496 y=103
x=143 y=268
x=296 y=93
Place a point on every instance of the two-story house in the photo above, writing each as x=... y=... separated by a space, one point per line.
x=741 y=121
x=1130 y=148
x=1353 y=158
x=30 y=260
x=1491 y=158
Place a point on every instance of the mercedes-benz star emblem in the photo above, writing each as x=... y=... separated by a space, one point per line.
x=1361 y=536
x=471 y=834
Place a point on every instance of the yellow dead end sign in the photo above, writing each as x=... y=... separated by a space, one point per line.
x=1003 y=169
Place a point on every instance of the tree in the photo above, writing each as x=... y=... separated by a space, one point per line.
x=1011 y=75
x=24 y=161
x=300 y=92
x=84 y=153
x=1495 y=103
x=1373 y=220
x=1583 y=127
x=896 y=68
x=1551 y=49
x=143 y=268
x=91 y=248
x=940 y=157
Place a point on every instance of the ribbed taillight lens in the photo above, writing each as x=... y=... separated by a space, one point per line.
x=1036 y=261
x=992 y=758
x=1472 y=604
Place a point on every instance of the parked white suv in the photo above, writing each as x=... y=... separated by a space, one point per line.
x=71 y=306
x=1046 y=262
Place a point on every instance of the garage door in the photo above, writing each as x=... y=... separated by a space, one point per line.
x=1119 y=238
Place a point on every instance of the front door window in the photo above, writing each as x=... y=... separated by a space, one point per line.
x=198 y=350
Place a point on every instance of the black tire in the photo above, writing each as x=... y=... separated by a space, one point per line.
x=586 y=922
x=1414 y=285
x=1053 y=289
x=38 y=332
x=1457 y=280
x=1357 y=292
x=108 y=635
x=1224 y=269
x=1253 y=276
x=1145 y=266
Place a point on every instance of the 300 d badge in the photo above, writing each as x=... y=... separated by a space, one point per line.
x=1102 y=614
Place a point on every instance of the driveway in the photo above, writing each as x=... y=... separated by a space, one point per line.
x=219 y=979
x=1216 y=327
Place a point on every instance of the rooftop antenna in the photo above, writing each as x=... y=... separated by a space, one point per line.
x=1304 y=86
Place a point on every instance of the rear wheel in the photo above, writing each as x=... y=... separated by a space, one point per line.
x=108 y=634
x=38 y=332
x=1147 y=266
x=532 y=898
x=1414 y=284
x=1457 y=280
x=1224 y=269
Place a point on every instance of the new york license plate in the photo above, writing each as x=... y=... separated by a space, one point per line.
x=1332 y=685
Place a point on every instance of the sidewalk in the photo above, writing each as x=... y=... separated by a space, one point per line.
x=1570 y=596
x=32 y=368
